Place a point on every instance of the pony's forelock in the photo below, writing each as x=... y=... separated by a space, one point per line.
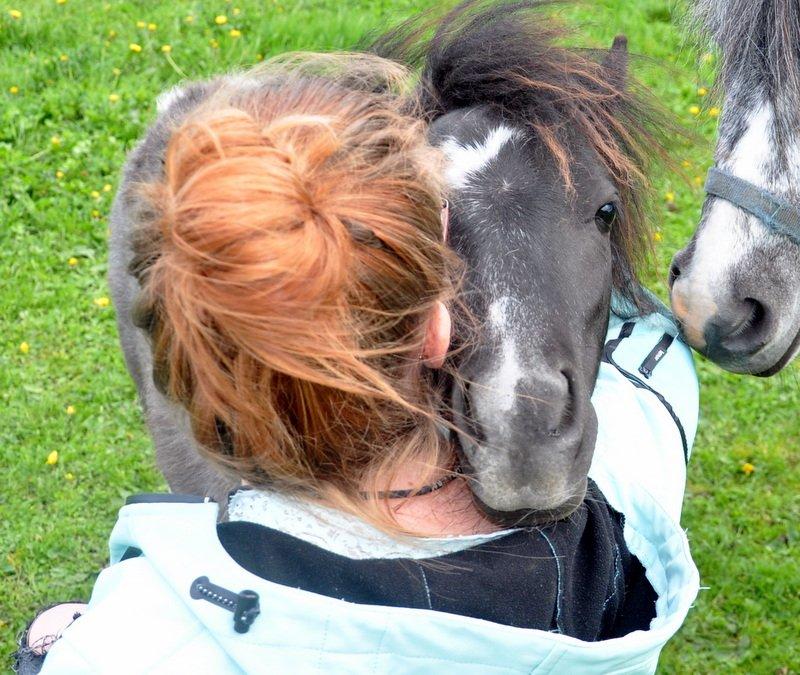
x=508 y=56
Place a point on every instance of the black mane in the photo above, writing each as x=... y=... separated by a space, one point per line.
x=508 y=55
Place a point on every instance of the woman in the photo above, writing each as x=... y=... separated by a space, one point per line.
x=295 y=286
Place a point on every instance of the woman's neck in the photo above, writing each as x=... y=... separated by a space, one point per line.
x=448 y=511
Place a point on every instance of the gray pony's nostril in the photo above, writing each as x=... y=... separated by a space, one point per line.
x=674 y=273
x=681 y=264
x=741 y=329
x=745 y=323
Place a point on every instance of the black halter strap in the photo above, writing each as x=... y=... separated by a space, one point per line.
x=776 y=213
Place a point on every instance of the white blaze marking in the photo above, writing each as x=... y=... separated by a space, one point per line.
x=504 y=383
x=754 y=150
x=464 y=161
x=495 y=398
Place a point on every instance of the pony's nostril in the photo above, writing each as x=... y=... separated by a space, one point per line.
x=570 y=384
x=674 y=273
x=759 y=312
x=567 y=410
x=742 y=330
x=753 y=315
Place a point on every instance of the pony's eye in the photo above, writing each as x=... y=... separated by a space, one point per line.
x=606 y=216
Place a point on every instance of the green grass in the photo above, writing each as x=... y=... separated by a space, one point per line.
x=55 y=518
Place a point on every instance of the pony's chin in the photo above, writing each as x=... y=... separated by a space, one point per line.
x=753 y=364
x=545 y=511
x=784 y=361
x=534 y=517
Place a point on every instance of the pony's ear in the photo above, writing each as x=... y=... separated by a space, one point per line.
x=616 y=62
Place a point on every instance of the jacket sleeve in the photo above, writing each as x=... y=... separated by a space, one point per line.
x=647 y=401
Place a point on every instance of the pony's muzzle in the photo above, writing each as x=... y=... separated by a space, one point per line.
x=728 y=323
x=528 y=455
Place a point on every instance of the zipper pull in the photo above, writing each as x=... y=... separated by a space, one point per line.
x=244 y=605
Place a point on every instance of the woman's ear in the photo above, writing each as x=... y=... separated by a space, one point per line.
x=437 y=337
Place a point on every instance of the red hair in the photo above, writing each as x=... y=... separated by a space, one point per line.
x=288 y=274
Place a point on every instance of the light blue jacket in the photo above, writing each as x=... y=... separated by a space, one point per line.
x=141 y=617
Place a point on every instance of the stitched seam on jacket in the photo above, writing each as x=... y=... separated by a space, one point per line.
x=322 y=649
x=427 y=588
x=614 y=587
x=560 y=583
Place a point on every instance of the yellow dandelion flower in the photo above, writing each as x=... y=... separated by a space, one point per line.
x=13 y=89
x=657 y=236
x=697 y=180
x=134 y=47
x=189 y=19
x=152 y=26
x=55 y=140
x=113 y=98
x=140 y=24
x=116 y=71
x=69 y=475
x=166 y=48
x=24 y=347
x=95 y=194
x=748 y=468
x=95 y=213
x=112 y=34
x=107 y=187
x=708 y=57
x=221 y=20
x=72 y=261
x=694 y=109
x=214 y=44
x=702 y=91
x=70 y=410
x=713 y=112
x=102 y=302
x=61 y=2
x=59 y=174
x=670 y=196
x=234 y=33
x=686 y=164
x=259 y=57
x=236 y=11
x=52 y=458
x=63 y=58
x=15 y=13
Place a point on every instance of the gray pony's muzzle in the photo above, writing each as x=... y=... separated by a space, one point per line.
x=777 y=214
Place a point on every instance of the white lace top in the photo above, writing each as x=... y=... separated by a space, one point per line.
x=340 y=532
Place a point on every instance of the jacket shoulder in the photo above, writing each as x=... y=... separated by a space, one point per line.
x=132 y=598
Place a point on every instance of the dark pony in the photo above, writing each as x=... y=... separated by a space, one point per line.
x=548 y=150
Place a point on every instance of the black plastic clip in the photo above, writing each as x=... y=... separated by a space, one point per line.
x=244 y=605
x=656 y=354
